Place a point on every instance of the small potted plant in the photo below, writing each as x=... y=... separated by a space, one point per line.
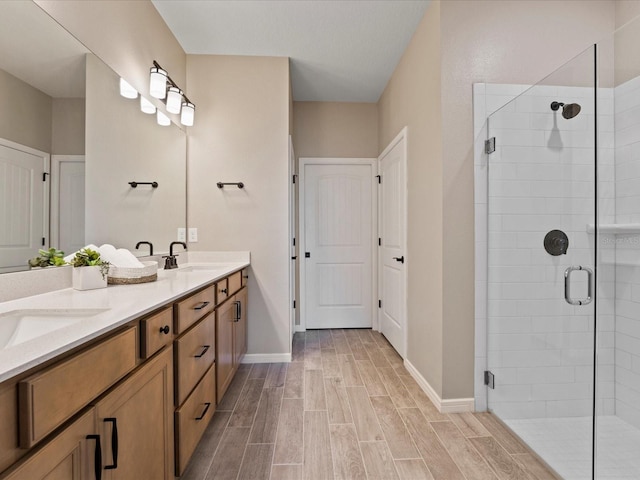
x=49 y=257
x=89 y=271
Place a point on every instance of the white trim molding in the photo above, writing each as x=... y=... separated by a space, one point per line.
x=450 y=405
x=266 y=358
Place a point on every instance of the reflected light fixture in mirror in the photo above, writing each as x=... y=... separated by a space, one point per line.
x=146 y=106
x=174 y=100
x=126 y=90
x=158 y=83
x=188 y=113
x=163 y=119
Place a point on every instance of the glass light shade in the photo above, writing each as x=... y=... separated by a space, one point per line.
x=146 y=106
x=158 y=83
x=188 y=112
x=174 y=100
x=163 y=119
x=126 y=90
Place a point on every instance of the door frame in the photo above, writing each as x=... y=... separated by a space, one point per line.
x=302 y=163
x=46 y=162
x=405 y=203
x=56 y=161
x=292 y=244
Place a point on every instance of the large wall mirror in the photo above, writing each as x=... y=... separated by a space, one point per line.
x=70 y=145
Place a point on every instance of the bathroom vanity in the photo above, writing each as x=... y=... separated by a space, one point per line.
x=126 y=391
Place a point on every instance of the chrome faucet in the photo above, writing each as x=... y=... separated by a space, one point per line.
x=171 y=262
x=146 y=243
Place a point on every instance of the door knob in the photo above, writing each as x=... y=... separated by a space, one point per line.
x=399 y=259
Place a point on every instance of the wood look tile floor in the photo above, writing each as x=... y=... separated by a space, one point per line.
x=346 y=408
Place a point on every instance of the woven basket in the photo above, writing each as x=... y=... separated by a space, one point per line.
x=129 y=276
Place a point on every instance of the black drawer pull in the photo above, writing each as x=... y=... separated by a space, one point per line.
x=201 y=305
x=204 y=350
x=223 y=290
x=114 y=443
x=97 y=456
x=165 y=329
x=204 y=412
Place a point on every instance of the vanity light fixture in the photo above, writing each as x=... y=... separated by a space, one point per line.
x=188 y=112
x=174 y=99
x=158 y=81
x=126 y=90
x=163 y=119
x=146 y=106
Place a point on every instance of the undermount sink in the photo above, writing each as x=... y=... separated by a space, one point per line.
x=200 y=268
x=19 y=326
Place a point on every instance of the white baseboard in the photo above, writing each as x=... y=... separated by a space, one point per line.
x=450 y=405
x=300 y=328
x=266 y=358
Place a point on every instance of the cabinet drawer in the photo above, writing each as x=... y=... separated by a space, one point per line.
x=222 y=291
x=193 y=308
x=235 y=282
x=156 y=332
x=195 y=352
x=192 y=419
x=51 y=396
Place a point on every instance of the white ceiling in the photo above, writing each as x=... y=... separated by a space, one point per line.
x=340 y=50
x=38 y=51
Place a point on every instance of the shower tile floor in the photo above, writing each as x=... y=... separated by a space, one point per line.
x=565 y=444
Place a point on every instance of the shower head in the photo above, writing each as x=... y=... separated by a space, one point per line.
x=569 y=110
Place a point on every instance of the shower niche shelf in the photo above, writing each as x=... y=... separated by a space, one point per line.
x=615 y=228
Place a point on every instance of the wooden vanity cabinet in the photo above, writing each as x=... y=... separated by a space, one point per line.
x=137 y=417
x=231 y=338
x=71 y=455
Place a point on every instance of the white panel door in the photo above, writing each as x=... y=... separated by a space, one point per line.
x=338 y=245
x=392 y=261
x=71 y=204
x=22 y=205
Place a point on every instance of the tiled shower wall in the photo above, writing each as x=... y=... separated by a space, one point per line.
x=541 y=178
x=627 y=194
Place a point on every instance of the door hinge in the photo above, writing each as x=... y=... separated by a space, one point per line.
x=490 y=145
x=379 y=177
x=294 y=304
x=43 y=240
x=294 y=241
x=44 y=176
x=489 y=379
x=379 y=303
x=294 y=178
x=379 y=242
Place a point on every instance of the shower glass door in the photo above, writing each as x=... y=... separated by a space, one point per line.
x=542 y=264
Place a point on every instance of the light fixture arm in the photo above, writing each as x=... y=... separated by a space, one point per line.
x=171 y=82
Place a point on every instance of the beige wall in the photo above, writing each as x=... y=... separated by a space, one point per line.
x=123 y=145
x=333 y=129
x=68 y=118
x=626 y=10
x=412 y=99
x=25 y=116
x=241 y=134
x=126 y=35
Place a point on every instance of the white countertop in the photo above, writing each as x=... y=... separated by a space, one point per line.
x=123 y=303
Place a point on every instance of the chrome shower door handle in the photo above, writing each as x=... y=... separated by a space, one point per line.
x=567 y=285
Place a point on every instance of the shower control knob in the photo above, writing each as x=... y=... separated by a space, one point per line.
x=556 y=243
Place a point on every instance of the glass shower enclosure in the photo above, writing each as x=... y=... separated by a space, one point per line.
x=563 y=268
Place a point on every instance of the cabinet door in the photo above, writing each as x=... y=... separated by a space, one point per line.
x=225 y=317
x=240 y=328
x=136 y=423
x=68 y=456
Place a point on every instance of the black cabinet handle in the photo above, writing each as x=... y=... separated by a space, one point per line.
x=399 y=259
x=204 y=350
x=114 y=443
x=165 y=329
x=238 y=312
x=223 y=290
x=204 y=412
x=201 y=305
x=97 y=456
